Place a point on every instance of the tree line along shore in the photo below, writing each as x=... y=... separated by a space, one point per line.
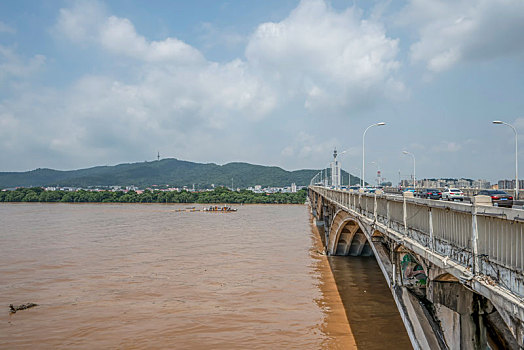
x=218 y=195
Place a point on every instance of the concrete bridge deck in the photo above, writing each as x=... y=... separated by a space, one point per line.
x=455 y=269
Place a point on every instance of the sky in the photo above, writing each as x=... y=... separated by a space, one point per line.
x=270 y=82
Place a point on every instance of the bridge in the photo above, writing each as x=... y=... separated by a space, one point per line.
x=455 y=269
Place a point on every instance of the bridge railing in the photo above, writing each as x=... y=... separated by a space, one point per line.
x=488 y=240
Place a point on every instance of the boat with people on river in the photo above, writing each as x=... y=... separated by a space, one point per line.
x=215 y=208
x=212 y=209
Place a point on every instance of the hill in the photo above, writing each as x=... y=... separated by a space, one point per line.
x=172 y=172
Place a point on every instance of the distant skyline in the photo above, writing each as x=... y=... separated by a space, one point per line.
x=86 y=83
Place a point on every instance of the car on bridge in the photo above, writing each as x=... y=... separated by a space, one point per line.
x=498 y=197
x=451 y=194
x=430 y=193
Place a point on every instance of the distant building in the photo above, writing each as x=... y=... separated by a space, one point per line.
x=506 y=184
x=509 y=184
x=463 y=183
x=406 y=183
x=293 y=187
x=458 y=183
x=481 y=184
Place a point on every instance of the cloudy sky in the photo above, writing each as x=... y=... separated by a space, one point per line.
x=272 y=82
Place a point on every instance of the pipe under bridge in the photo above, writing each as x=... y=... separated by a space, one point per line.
x=455 y=270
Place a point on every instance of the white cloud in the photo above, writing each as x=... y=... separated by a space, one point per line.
x=450 y=32
x=13 y=65
x=320 y=56
x=81 y=22
x=118 y=35
x=171 y=97
x=173 y=75
x=330 y=58
x=88 y=23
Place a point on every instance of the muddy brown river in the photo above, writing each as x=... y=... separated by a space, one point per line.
x=136 y=276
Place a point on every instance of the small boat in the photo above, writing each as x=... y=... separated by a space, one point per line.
x=188 y=209
x=220 y=209
x=213 y=209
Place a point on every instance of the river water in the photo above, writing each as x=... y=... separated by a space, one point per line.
x=126 y=276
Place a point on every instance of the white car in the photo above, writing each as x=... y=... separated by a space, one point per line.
x=451 y=194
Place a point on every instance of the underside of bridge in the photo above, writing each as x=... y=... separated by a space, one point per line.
x=352 y=241
x=439 y=312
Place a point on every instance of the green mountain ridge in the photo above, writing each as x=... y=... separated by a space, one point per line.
x=170 y=171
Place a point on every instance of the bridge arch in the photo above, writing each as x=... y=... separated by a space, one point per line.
x=346 y=236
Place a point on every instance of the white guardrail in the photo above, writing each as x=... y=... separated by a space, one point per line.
x=485 y=239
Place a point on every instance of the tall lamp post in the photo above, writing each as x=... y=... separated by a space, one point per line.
x=363 y=153
x=312 y=182
x=414 y=176
x=516 y=156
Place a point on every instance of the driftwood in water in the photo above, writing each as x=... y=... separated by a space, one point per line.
x=13 y=309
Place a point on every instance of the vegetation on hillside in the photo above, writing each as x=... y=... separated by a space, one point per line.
x=219 y=195
x=166 y=172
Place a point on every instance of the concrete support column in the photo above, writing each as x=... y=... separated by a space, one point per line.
x=394 y=272
x=460 y=315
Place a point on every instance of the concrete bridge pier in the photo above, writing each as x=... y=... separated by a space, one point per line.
x=467 y=318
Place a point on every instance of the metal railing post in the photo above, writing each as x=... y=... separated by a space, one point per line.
x=388 y=215
x=375 y=207
x=431 y=238
x=405 y=217
x=474 y=240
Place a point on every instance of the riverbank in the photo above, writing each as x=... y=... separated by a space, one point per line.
x=218 y=195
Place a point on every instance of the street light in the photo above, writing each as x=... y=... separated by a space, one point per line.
x=414 y=176
x=516 y=157
x=312 y=182
x=363 y=153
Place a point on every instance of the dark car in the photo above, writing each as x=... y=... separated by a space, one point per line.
x=430 y=193
x=498 y=197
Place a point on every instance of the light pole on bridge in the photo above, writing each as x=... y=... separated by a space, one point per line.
x=414 y=176
x=516 y=156
x=312 y=182
x=363 y=150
